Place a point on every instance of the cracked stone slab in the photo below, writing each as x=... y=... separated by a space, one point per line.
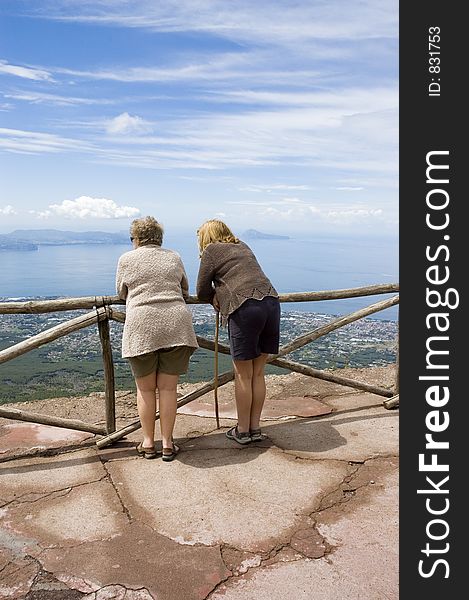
x=310 y=543
x=240 y=562
x=39 y=476
x=84 y=513
x=251 y=499
x=47 y=587
x=363 y=564
x=141 y=560
x=17 y=574
x=286 y=554
x=118 y=592
x=213 y=477
x=19 y=437
x=352 y=435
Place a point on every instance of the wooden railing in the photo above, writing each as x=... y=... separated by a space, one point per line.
x=102 y=312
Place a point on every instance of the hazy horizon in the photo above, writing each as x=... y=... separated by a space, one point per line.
x=185 y=231
x=297 y=234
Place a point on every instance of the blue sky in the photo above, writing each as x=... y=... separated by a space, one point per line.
x=281 y=116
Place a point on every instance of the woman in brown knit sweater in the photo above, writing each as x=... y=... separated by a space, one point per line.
x=231 y=279
x=158 y=337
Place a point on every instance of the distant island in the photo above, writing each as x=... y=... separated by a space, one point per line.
x=253 y=234
x=31 y=239
x=8 y=244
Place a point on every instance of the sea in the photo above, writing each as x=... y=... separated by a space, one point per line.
x=297 y=264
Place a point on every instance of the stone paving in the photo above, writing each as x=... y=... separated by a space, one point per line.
x=309 y=513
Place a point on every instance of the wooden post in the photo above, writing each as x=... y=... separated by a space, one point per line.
x=109 y=384
x=215 y=366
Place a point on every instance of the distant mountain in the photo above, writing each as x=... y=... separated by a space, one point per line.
x=55 y=237
x=253 y=234
x=31 y=239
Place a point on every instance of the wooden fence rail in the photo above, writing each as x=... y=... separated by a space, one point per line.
x=36 y=341
x=45 y=306
x=102 y=313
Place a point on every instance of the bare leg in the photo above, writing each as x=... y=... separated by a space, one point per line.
x=167 y=388
x=243 y=392
x=258 y=390
x=146 y=405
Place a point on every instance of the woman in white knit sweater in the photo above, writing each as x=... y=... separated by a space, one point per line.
x=158 y=337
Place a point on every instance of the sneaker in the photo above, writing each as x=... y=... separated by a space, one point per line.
x=242 y=437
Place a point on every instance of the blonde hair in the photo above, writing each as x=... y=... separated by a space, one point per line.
x=147 y=230
x=212 y=231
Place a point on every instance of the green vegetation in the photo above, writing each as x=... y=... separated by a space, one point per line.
x=72 y=365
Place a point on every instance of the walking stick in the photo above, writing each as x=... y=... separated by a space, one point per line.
x=215 y=379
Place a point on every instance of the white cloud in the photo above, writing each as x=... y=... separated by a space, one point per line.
x=349 y=189
x=296 y=93
x=147 y=74
x=353 y=214
x=220 y=68
x=32 y=142
x=86 y=207
x=8 y=210
x=290 y=211
x=301 y=212
x=346 y=134
x=274 y=187
x=286 y=22
x=279 y=202
x=43 y=98
x=25 y=72
x=125 y=123
x=320 y=137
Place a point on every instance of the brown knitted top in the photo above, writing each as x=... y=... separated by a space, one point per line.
x=233 y=273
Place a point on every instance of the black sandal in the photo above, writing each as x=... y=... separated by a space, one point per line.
x=146 y=452
x=169 y=454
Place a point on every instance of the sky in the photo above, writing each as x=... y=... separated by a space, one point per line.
x=279 y=116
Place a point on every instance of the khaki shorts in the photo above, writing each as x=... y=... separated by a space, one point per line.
x=172 y=361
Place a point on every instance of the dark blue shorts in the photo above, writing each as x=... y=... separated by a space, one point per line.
x=254 y=328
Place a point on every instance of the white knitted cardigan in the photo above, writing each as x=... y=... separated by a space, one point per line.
x=154 y=284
